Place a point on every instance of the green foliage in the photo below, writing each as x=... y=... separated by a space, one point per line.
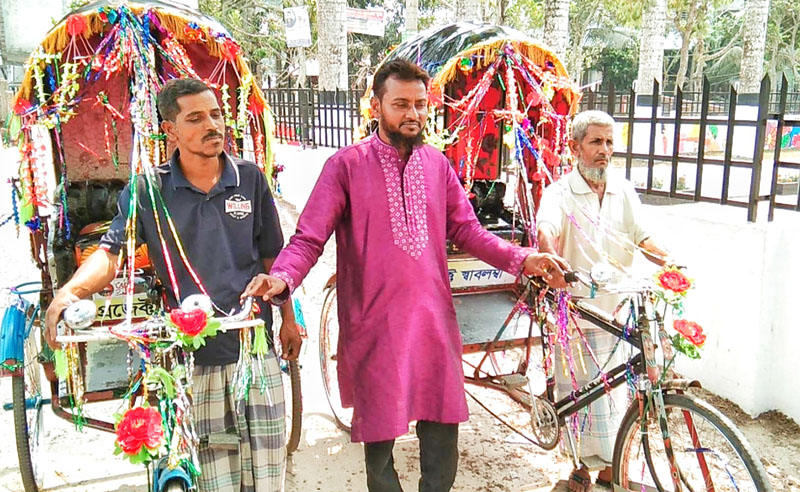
x=619 y=66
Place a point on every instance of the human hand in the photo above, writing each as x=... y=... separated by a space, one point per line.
x=290 y=340
x=548 y=266
x=56 y=308
x=264 y=286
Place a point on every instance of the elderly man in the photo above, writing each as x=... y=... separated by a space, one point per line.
x=591 y=216
x=394 y=203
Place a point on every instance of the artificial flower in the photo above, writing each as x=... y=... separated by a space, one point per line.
x=691 y=331
x=674 y=280
x=139 y=430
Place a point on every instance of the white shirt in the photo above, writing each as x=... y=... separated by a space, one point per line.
x=572 y=212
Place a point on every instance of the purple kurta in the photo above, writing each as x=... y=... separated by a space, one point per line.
x=400 y=346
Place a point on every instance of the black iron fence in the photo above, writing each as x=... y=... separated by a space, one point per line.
x=315 y=118
x=739 y=150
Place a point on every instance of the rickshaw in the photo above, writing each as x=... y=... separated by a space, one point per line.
x=85 y=123
x=501 y=107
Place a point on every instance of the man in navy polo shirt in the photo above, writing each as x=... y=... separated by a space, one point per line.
x=229 y=229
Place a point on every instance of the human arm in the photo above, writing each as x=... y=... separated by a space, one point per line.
x=325 y=208
x=467 y=233
x=289 y=334
x=653 y=252
x=94 y=274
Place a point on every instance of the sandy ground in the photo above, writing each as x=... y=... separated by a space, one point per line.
x=492 y=457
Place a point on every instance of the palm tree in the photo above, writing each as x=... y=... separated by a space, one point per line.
x=332 y=46
x=754 y=41
x=468 y=10
x=556 y=27
x=651 y=45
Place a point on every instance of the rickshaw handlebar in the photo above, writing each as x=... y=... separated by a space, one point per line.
x=81 y=315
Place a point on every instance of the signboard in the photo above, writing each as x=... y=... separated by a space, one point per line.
x=298 y=27
x=471 y=272
x=366 y=21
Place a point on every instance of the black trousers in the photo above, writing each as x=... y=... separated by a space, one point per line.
x=438 y=458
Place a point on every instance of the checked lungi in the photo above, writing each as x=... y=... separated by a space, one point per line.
x=258 y=463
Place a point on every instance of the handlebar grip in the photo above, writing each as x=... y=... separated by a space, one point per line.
x=571 y=277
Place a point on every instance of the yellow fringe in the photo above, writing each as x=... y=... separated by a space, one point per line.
x=487 y=53
x=58 y=39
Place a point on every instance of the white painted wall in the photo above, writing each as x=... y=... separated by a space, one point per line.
x=746 y=297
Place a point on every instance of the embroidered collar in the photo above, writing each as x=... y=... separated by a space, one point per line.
x=408 y=208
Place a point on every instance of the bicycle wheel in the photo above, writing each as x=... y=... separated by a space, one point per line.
x=328 y=343
x=26 y=389
x=710 y=452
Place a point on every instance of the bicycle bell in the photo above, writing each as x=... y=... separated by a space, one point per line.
x=80 y=315
x=197 y=301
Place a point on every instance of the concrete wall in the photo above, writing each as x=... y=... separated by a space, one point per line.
x=25 y=24
x=745 y=297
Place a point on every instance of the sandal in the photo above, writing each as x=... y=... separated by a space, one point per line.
x=580 y=481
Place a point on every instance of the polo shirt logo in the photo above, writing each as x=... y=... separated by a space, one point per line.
x=238 y=207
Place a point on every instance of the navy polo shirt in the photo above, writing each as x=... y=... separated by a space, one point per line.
x=225 y=234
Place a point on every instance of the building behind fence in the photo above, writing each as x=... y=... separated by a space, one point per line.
x=749 y=155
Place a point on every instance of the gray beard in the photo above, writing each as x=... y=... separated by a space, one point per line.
x=593 y=174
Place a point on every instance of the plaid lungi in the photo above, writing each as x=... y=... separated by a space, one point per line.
x=599 y=425
x=257 y=463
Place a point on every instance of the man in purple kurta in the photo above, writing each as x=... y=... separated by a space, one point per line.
x=393 y=203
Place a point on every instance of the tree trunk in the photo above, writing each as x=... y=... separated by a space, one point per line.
x=651 y=46
x=301 y=67
x=556 y=27
x=696 y=81
x=468 y=10
x=412 y=16
x=332 y=44
x=753 y=44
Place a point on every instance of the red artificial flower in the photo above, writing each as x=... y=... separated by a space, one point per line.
x=256 y=104
x=691 y=330
x=139 y=427
x=190 y=323
x=76 y=24
x=674 y=280
x=21 y=106
x=550 y=158
x=192 y=34
x=230 y=50
x=533 y=98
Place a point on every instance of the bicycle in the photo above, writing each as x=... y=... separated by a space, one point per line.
x=668 y=440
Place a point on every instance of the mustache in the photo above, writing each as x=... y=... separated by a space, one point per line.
x=212 y=135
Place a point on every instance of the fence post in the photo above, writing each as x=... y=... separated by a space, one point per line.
x=302 y=100
x=726 y=164
x=758 y=153
x=676 y=142
x=653 y=118
x=610 y=101
x=629 y=151
x=701 y=138
x=777 y=159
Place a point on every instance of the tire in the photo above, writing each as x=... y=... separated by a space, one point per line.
x=175 y=486
x=328 y=344
x=26 y=387
x=640 y=458
x=294 y=408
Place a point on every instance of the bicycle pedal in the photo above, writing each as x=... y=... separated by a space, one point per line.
x=593 y=463
x=514 y=381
